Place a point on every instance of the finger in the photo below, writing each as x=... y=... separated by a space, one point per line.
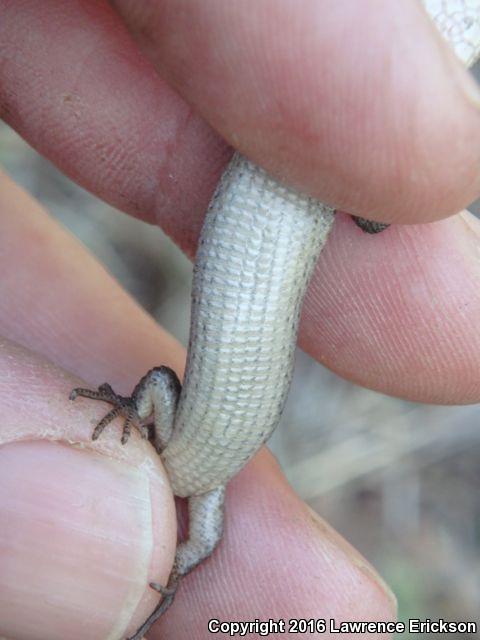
x=398 y=312
x=350 y=140
x=328 y=96
x=83 y=526
x=395 y=312
x=278 y=560
x=103 y=115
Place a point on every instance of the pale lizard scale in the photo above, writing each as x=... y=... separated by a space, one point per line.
x=258 y=247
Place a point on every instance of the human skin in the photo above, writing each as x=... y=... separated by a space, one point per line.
x=105 y=116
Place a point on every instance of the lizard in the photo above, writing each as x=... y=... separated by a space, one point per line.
x=258 y=246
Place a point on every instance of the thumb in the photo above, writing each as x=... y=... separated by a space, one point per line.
x=84 y=526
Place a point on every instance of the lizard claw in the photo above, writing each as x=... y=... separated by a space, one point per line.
x=164 y=591
x=170 y=588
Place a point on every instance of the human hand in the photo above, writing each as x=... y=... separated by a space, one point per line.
x=85 y=143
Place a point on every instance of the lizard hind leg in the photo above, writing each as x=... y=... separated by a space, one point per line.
x=155 y=395
x=205 y=531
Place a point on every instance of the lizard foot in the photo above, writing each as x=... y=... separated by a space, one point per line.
x=369 y=226
x=122 y=406
x=168 y=594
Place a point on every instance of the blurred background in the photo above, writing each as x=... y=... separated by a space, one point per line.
x=399 y=480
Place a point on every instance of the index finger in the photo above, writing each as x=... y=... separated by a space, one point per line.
x=356 y=120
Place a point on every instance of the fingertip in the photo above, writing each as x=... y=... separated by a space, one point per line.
x=84 y=526
x=315 y=548
x=397 y=312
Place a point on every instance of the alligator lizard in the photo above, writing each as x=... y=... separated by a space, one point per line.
x=258 y=247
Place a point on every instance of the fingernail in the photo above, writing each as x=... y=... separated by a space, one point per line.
x=468 y=237
x=458 y=71
x=79 y=541
x=372 y=573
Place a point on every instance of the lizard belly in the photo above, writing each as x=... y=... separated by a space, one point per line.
x=258 y=247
